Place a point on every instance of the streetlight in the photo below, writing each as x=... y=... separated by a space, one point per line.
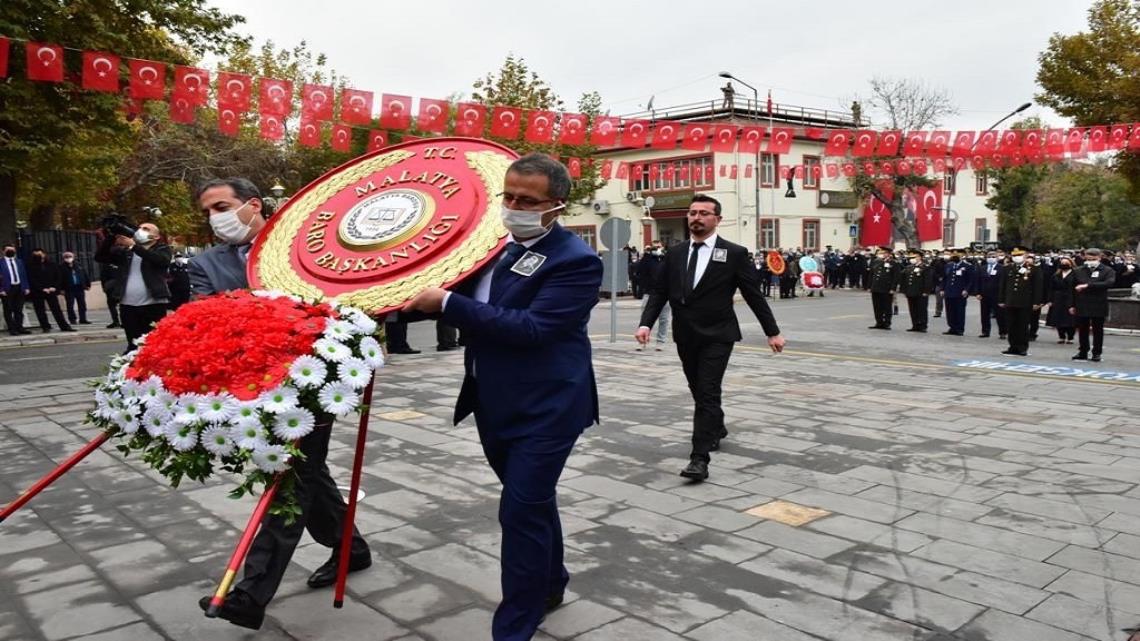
x=756 y=166
x=954 y=172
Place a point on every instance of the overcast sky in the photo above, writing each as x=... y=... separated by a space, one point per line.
x=817 y=54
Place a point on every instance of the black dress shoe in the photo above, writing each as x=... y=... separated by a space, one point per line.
x=1095 y=358
x=1002 y=336
x=23 y=332
x=239 y=609
x=326 y=574
x=84 y=322
x=554 y=600
x=114 y=326
x=45 y=329
x=949 y=332
x=983 y=335
x=1080 y=357
x=696 y=470
x=446 y=348
x=404 y=350
x=68 y=329
x=874 y=327
x=938 y=315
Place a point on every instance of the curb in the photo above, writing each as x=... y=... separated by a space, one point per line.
x=65 y=338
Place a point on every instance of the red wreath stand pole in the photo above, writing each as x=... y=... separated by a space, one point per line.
x=246 y=540
x=350 y=513
x=51 y=477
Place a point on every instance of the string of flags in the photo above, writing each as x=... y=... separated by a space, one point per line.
x=849 y=152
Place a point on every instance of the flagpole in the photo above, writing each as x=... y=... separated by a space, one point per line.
x=349 y=525
x=51 y=477
x=775 y=168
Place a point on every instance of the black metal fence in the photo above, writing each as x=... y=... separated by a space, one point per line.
x=56 y=241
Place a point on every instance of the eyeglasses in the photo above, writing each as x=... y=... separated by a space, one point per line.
x=701 y=212
x=525 y=202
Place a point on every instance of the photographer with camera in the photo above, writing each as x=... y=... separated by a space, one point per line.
x=143 y=262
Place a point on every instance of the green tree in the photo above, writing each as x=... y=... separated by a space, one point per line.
x=1085 y=206
x=1093 y=76
x=1014 y=196
x=40 y=119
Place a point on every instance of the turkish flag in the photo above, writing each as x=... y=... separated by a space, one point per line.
x=148 y=79
x=928 y=213
x=849 y=169
x=665 y=134
x=748 y=170
x=275 y=97
x=355 y=107
x=1134 y=140
x=540 y=126
x=815 y=133
x=684 y=173
x=724 y=138
x=1055 y=143
x=889 y=142
x=469 y=119
x=234 y=91
x=864 y=143
x=914 y=143
x=887 y=168
x=623 y=170
x=310 y=132
x=341 y=138
x=433 y=115
x=229 y=121
x=604 y=131
x=838 y=143
x=506 y=122
x=978 y=162
x=670 y=171
x=877 y=228
x=987 y=143
x=607 y=170
x=182 y=110
x=1098 y=139
x=395 y=111
x=723 y=171
x=959 y=162
x=100 y=71
x=964 y=143
x=271 y=127
x=799 y=172
x=832 y=170
x=708 y=173
x=1117 y=136
x=1010 y=142
x=572 y=129
x=634 y=133
x=869 y=168
x=938 y=144
x=191 y=83
x=1075 y=142
x=732 y=172
x=316 y=105
x=44 y=62
x=780 y=141
x=574 y=166
x=750 y=138
x=3 y=57
x=919 y=167
x=903 y=167
x=939 y=165
x=377 y=139
x=696 y=136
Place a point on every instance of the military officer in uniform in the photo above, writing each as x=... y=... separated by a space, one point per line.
x=917 y=283
x=957 y=286
x=884 y=281
x=1020 y=292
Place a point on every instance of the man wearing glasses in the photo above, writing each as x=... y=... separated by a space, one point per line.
x=699 y=281
x=528 y=378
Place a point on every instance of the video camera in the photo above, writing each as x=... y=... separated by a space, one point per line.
x=117 y=225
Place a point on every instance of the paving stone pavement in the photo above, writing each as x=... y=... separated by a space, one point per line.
x=950 y=505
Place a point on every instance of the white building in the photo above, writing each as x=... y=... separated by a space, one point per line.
x=822 y=213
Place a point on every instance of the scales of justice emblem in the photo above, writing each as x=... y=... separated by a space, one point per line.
x=386 y=219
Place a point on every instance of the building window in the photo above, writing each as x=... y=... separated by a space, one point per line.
x=811 y=235
x=672 y=175
x=981 y=184
x=950 y=183
x=768 y=169
x=811 y=172
x=981 y=232
x=947 y=233
x=769 y=233
x=588 y=234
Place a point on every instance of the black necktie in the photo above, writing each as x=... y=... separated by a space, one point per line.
x=691 y=272
x=511 y=256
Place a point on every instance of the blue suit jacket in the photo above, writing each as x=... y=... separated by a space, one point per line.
x=957 y=278
x=528 y=367
x=6 y=281
x=985 y=284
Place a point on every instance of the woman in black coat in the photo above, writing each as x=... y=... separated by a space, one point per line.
x=1061 y=299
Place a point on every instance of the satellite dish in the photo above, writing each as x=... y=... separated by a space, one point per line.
x=650 y=201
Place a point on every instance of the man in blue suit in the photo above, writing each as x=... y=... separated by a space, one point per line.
x=957 y=286
x=528 y=379
x=14 y=288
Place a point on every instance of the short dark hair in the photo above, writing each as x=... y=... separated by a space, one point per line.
x=557 y=176
x=243 y=188
x=701 y=198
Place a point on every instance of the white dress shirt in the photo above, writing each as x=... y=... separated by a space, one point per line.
x=703 y=258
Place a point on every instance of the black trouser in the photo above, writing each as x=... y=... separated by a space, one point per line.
x=113 y=307
x=446 y=336
x=396 y=333
x=881 y=304
x=322 y=514
x=42 y=303
x=1097 y=325
x=139 y=319
x=766 y=284
x=1018 y=319
x=704 y=365
x=939 y=299
x=1066 y=333
x=918 y=307
x=853 y=279
x=76 y=297
x=990 y=309
x=1033 y=322
x=14 y=309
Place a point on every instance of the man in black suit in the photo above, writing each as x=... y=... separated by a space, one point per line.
x=987 y=278
x=1090 y=302
x=47 y=284
x=699 y=280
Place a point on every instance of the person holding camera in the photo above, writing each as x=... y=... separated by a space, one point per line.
x=141 y=287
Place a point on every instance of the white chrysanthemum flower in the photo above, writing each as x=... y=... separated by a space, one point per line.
x=105 y=406
x=266 y=293
x=354 y=371
x=216 y=439
x=182 y=437
x=151 y=389
x=219 y=408
x=279 y=399
x=271 y=458
x=188 y=409
x=308 y=371
x=141 y=340
x=127 y=420
x=364 y=323
x=331 y=350
x=130 y=391
x=247 y=413
x=340 y=330
x=155 y=421
x=338 y=398
x=250 y=436
x=372 y=353
x=293 y=424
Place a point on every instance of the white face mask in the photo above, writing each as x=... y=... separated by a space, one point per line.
x=1092 y=263
x=945 y=256
x=915 y=261
x=525 y=224
x=142 y=237
x=229 y=228
x=1017 y=260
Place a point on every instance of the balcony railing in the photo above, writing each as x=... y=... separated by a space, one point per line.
x=747 y=108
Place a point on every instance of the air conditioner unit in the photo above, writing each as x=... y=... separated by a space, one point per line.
x=852 y=217
x=632 y=196
x=601 y=207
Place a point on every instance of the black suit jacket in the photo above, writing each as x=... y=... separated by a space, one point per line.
x=155 y=261
x=707 y=315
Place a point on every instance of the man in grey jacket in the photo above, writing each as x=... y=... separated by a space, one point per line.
x=234 y=208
